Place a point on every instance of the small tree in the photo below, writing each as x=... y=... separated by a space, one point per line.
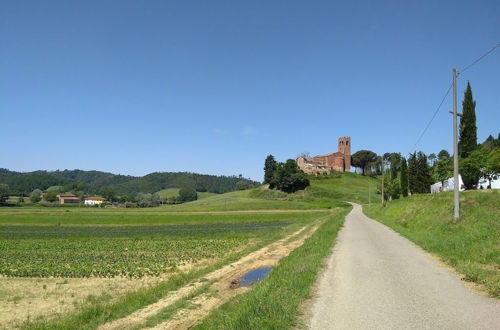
x=412 y=173
x=470 y=169
x=188 y=194
x=493 y=165
x=404 y=177
x=444 y=169
x=108 y=193
x=269 y=170
x=36 y=196
x=50 y=195
x=4 y=193
x=467 y=142
x=363 y=158
x=290 y=178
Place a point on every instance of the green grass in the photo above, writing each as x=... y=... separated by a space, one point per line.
x=343 y=187
x=472 y=246
x=274 y=303
x=174 y=192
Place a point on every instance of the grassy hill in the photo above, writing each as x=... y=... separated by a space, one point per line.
x=324 y=192
x=174 y=192
x=472 y=246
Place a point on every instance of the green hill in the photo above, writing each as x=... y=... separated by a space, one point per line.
x=324 y=192
x=92 y=182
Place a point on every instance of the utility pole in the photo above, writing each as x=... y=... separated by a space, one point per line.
x=382 y=182
x=369 y=195
x=456 y=182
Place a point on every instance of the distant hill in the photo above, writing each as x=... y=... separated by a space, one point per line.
x=91 y=182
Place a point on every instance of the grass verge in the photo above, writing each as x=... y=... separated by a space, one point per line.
x=471 y=246
x=274 y=302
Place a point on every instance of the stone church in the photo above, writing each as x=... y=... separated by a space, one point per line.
x=337 y=161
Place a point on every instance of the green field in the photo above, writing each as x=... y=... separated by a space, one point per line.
x=471 y=246
x=79 y=242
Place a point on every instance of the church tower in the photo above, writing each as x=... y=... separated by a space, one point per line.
x=345 y=149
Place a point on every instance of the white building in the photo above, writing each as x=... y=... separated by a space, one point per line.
x=449 y=186
x=94 y=200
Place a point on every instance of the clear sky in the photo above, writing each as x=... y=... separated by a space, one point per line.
x=213 y=87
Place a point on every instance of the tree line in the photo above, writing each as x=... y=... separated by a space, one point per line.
x=114 y=187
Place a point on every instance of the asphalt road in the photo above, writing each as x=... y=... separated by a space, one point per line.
x=377 y=279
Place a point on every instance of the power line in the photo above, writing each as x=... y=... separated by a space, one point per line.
x=480 y=58
x=448 y=91
x=432 y=119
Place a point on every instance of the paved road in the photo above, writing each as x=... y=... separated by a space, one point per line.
x=377 y=279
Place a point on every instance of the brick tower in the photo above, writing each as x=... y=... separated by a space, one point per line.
x=345 y=149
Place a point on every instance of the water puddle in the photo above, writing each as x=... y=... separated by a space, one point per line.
x=254 y=276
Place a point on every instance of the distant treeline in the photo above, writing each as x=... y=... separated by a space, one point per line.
x=93 y=182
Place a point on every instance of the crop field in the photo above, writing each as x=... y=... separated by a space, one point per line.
x=58 y=243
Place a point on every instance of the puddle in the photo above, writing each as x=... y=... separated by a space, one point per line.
x=254 y=276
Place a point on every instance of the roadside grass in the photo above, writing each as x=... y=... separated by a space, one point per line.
x=471 y=246
x=274 y=302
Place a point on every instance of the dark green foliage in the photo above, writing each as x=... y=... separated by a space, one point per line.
x=36 y=196
x=187 y=194
x=474 y=167
x=363 y=158
x=395 y=161
x=243 y=184
x=443 y=153
x=50 y=196
x=423 y=174
x=290 y=178
x=412 y=173
x=108 y=193
x=468 y=131
x=444 y=167
x=491 y=143
x=269 y=169
x=404 y=177
x=4 y=193
x=92 y=182
x=419 y=173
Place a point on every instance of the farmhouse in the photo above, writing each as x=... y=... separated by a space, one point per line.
x=68 y=199
x=94 y=200
x=323 y=164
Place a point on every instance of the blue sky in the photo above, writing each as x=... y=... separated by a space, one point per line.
x=213 y=87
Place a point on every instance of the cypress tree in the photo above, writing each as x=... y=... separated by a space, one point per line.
x=269 y=170
x=404 y=177
x=467 y=142
x=412 y=173
x=424 y=178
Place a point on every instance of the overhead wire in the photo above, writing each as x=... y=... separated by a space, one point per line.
x=448 y=92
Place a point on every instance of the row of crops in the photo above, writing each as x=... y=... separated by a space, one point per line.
x=108 y=251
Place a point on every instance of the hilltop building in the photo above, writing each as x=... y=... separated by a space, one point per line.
x=324 y=164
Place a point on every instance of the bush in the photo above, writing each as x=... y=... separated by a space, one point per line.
x=187 y=195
